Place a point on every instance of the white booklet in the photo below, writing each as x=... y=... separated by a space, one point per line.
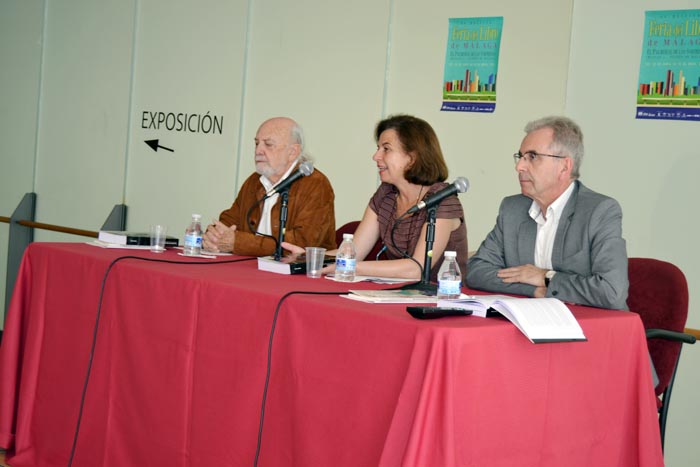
x=392 y=296
x=101 y=244
x=540 y=319
x=373 y=279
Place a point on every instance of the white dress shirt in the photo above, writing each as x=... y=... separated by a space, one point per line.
x=265 y=226
x=547 y=227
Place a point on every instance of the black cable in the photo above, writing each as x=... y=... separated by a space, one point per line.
x=250 y=225
x=379 y=253
x=97 y=323
x=393 y=243
x=269 y=360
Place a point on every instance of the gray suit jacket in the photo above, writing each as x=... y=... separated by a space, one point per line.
x=589 y=253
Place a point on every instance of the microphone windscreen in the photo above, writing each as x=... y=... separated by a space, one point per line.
x=306 y=168
x=462 y=184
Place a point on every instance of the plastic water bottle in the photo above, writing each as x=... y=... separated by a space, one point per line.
x=193 y=237
x=345 y=260
x=449 y=277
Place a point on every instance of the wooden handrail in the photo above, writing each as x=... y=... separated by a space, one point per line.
x=693 y=332
x=59 y=228
x=53 y=228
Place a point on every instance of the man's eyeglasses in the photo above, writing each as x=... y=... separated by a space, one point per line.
x=531 y=156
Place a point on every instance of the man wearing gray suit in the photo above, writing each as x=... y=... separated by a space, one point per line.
x=558 y=238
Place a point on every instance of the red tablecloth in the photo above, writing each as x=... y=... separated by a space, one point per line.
x=180 y=363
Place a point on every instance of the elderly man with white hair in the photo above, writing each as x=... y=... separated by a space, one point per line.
x=279 y=149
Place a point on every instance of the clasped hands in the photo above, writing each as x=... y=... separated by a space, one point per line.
x=526 y=274
x=219 y=238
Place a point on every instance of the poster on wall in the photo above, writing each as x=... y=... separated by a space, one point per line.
x=669 y=70
x=471 y=64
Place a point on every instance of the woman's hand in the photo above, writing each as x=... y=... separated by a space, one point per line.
x=297 y=250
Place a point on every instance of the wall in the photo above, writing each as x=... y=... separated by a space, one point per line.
x=338 y=70
x=80 y=80
x=648 y=165
x=21 y=42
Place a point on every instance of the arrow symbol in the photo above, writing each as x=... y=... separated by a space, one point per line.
x=153 y=143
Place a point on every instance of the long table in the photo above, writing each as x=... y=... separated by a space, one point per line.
x=181 y=357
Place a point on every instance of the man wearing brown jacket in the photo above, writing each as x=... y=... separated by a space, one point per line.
x=279 y=149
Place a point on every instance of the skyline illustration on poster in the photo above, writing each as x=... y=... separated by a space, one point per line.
x=669 y=72
x=471 y=64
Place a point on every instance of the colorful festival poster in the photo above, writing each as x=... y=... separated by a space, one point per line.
x=471 y=64
x=669 y=72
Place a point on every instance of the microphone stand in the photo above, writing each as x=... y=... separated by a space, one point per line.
x=424 y=285
x=284 y=198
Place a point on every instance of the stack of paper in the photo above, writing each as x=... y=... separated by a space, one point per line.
x=392 y=296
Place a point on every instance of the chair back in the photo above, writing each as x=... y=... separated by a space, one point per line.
x=658 y=292
x=350 y=227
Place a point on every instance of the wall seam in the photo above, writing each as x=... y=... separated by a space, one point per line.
x=39 y=97
x=244 y=90
x=387 y=66
x=130 y=109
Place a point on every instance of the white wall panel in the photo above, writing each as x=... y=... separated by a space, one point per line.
x=189 y=63
x=532 y=75
x=323 y=64
x=21 y=23
x=648 y=165
x=84 y=112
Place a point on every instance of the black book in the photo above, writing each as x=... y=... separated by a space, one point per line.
x=293 y=264
x=132 y=238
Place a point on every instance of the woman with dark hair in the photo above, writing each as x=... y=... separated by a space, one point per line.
x=411 y=168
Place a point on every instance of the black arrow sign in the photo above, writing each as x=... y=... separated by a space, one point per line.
x=153 y=143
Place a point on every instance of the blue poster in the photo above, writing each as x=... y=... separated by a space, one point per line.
x=669 y=71
x=471 y=64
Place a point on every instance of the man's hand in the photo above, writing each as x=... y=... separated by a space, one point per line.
x=219 y=238
x=526 y=274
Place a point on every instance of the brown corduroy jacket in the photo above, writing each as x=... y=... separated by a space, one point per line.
x=310 y=215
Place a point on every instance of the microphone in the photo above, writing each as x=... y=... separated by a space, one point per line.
x=305 y=169
x=460 y=185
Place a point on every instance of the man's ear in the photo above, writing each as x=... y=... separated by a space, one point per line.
x=294 y=151
x=568 y=165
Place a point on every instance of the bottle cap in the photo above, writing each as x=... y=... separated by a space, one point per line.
x=196 y=216
x=348 y=236
x=452 y=254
